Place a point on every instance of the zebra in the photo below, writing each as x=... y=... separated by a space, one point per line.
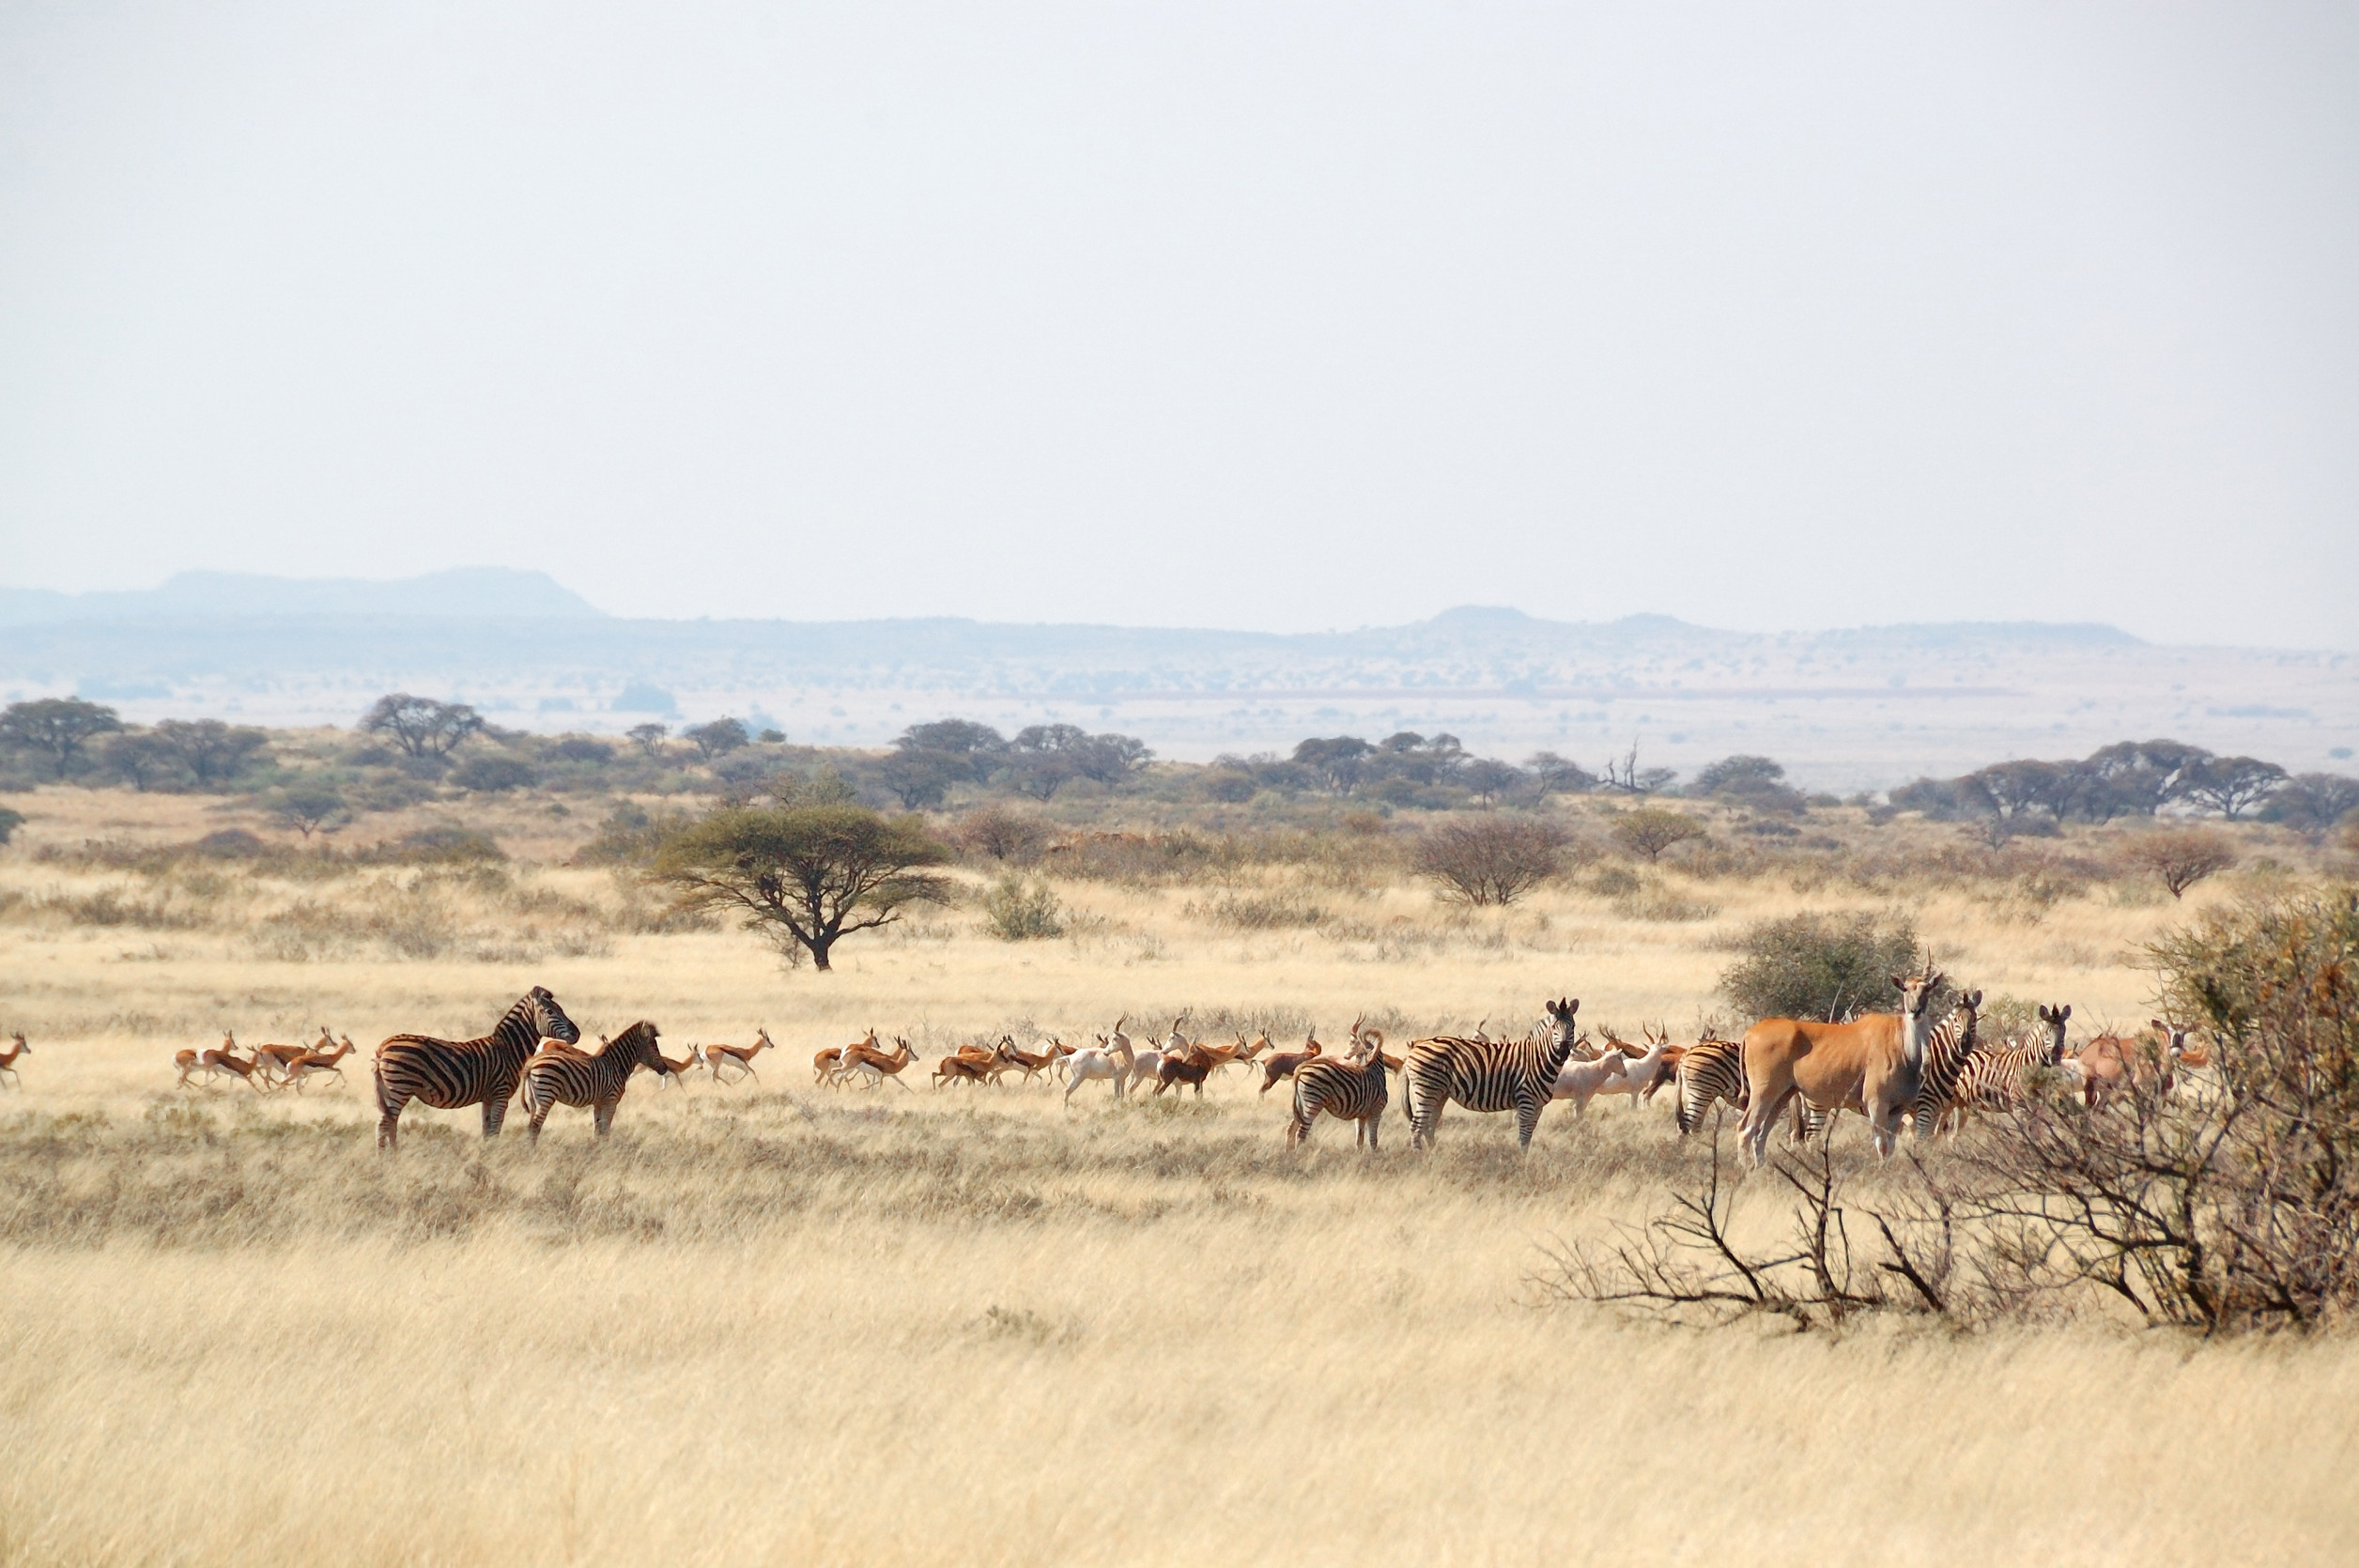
x=1998 y=1077
x=1712 y=1069
x=561 y=1075
x=1487 y=1075
x=1348 y=1087
x=447 y=1074
x=1948 y=1049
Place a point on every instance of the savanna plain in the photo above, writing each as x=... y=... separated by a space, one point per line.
x=773 y=1322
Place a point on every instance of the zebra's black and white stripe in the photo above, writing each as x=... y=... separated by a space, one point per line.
x=447 y=1074
x=561 y=1075
x=1487 y=1075
x=1713 y=1070
x=1349 y=1088
x=1948 y=1049
x=1998 y=1077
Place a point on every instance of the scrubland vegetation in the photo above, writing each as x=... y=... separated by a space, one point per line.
x=775 y=1322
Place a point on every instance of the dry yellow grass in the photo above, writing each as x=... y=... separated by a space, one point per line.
x=775 y=1323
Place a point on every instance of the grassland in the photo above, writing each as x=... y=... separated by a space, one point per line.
x=776 y=1324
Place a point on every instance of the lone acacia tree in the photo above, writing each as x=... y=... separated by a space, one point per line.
x=420 y=725
x=805 y=876
x=1492 y=860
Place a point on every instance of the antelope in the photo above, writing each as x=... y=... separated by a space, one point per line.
x=719 y=1056
x=1642 y=1071
x=1281 y=1066
x=1870 y=1065
x=961 y=1069
x=310 y=1062
x=1190 y=1065
x=1031 y=1064
x=191 y=1062
x=832 y=1065
x=7 y=1058
x=1094 y=1062
x=1582 y=1080
x=2109 y=1062
x=224 y=1060
x=1252 y=1053
x=876 y=1066
x=273 y=1060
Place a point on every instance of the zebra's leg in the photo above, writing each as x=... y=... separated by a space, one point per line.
x=494 y=1111
x=602 y=1115
x=1527 y=1121
x=536 y=1115
x=389 y=1104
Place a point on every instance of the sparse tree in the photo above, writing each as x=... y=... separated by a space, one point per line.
x=1558 y=775
x=1819 y=966
x=2312 y=802
x=1495 y=860
x=716 y=739
x=805 y=876
x=1004 y=836
x=1650 y=830
x=215 y=753
x=648 y=737
x=922 y=778
x=420 y=726
x=1631 y=779
x=978 y=747
x=1340 y=762
x=56 y=726
x=138 y=755
x=1488 y=779
x=307 y=806
x=2231 y=785
x=2180 y=857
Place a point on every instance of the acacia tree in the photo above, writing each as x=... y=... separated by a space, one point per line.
x=648 y=737
x=420 y=725
x=716 y=739
x=213 y=751
x=58 y=726
x=2180 y=856
x=1650 y=830
x=1494 y=860
x=805 y=876
x=2232 y=785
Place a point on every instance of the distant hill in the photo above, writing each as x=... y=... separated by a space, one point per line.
x=468 y=592
x=1846 y=708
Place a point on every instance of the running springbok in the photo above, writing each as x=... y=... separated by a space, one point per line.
x=1094 y=1062
x=874 y=1066
x=718 y=1056
x=272 y=1061
x=1870 y=1065
x=323 y=1060
x=829 y=1066
x=7 y=1058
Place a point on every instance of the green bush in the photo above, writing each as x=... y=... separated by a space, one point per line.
x=1821 y=966
x=1014 y=910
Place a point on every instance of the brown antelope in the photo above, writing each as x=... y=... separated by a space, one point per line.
x=1029 y=1063
x=963 y=1069
x=272 y=1061
x=1279 y=1065
x=1190 y=1065
x=1253 y=1053
x=7 y=1058
x=303 y=1067
x=2110 y=1063
x=1870 y=1065
x=831 y=1065
x=192 y=1061
x=228 y=1061
x=876 y=1066
x=719 y=1056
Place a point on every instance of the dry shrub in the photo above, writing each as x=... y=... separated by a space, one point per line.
x=1492 y=860
x=1017 y=911
x=998 y=833
x=1273 y=909
x=2179 y=857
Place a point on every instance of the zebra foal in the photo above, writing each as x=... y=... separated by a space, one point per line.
x=1350 y=1088
x=564 y=1075
x=448 y=1075
x=1487 y=1075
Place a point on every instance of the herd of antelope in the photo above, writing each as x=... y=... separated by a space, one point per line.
x=1902 y=1066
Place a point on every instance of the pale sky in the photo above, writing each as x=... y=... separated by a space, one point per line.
x=1253 y=315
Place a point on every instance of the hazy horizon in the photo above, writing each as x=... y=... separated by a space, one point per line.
x=1232 y=317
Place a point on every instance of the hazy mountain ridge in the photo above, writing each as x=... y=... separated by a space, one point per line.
x=1852 y=706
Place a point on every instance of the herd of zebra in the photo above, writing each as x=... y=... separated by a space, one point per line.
x=1902 y=1067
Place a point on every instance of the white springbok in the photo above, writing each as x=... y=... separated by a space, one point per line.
x=1639 y=1073
x=1580 y=1080
x=1092 y=1063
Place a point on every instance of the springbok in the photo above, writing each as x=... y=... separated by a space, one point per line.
x=7 y=1058
x=719 y=1056
x=1280 y=1066
x=1642 y=1070
x=1582 y=1080
x=272 y=1061
x=834 y=1064
x=1094 y=1062
x=874 y=1066
x=1870 y=1065
x=963 y=1069
x=303 y=1067
x=1029 y=1063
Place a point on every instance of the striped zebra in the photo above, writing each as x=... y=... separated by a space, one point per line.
x=1998 y=1077
x=1348 y=1087
x=564 y=1075
x=1487 y=1075
x=447 y=1074
x=1711 y=1070
x=1947 y=1049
